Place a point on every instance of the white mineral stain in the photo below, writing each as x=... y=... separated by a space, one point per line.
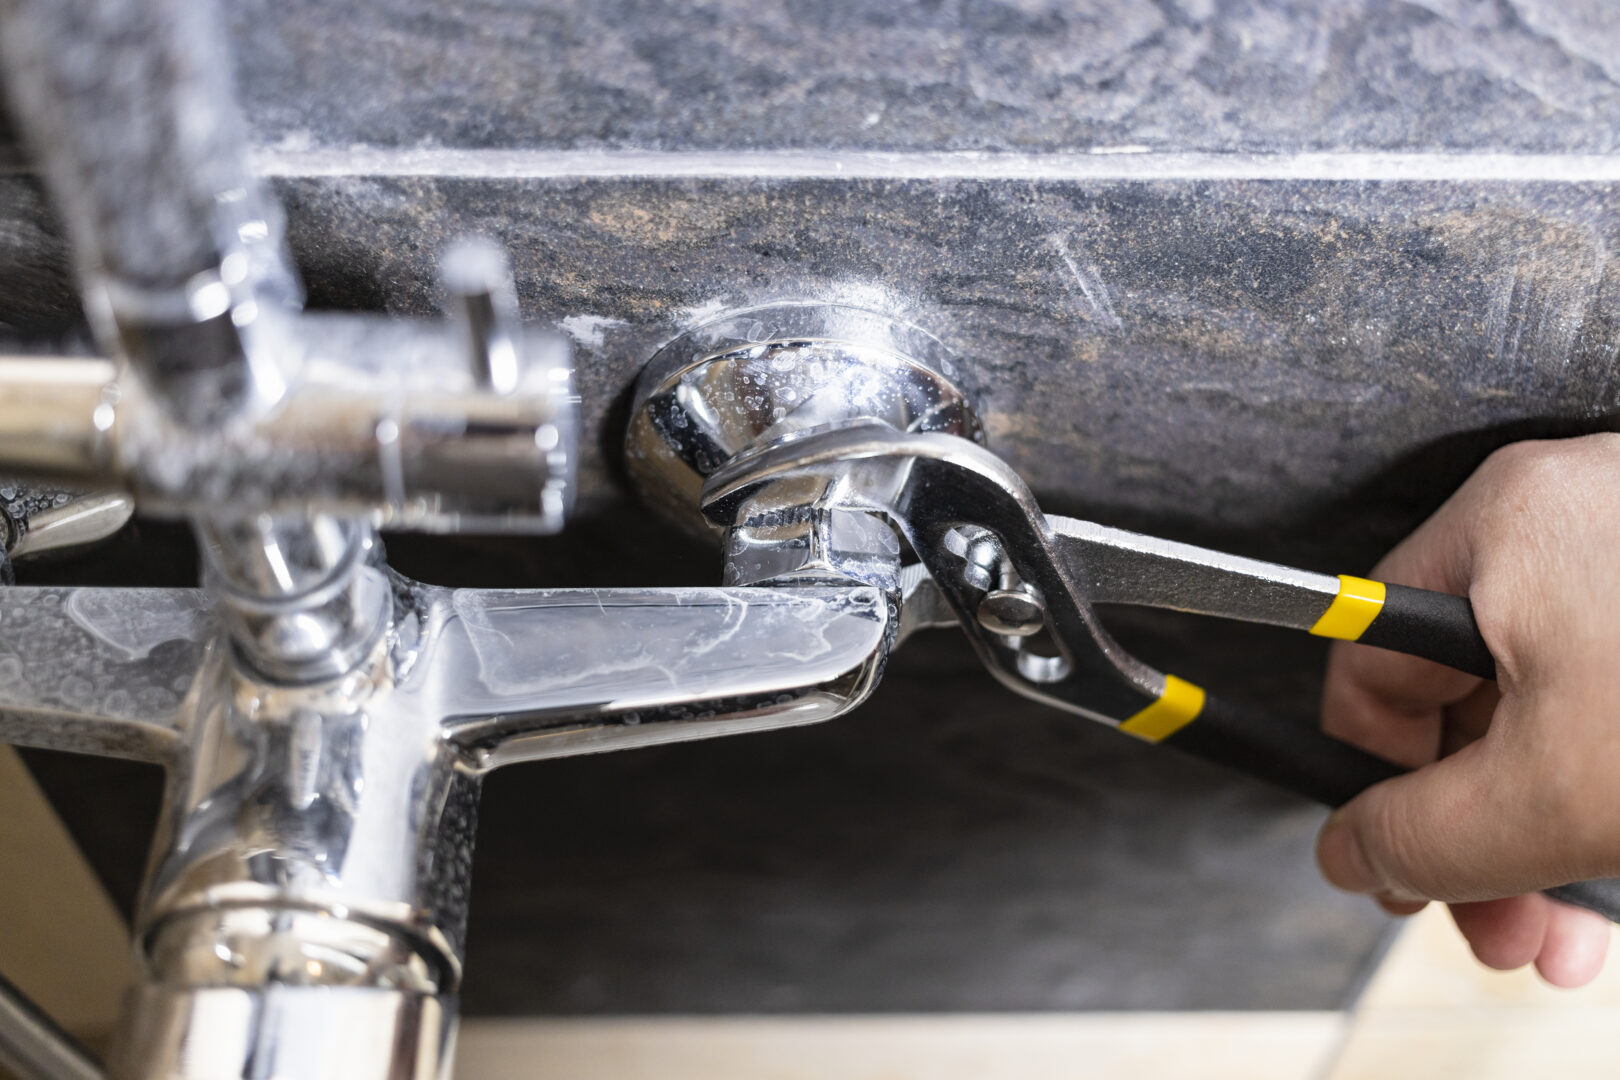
x=133 y=622
x=589 y=331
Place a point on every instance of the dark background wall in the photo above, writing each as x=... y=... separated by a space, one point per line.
x=1266 y=275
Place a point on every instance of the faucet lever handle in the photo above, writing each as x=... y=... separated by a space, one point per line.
x=101 y=671
x=35 y=521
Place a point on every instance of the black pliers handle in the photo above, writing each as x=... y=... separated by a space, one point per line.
x=1120 y=567
x=1116 y=566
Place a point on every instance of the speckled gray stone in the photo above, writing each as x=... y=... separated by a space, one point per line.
x=943 y=74
x=1226 y=356
x=1493 y=75
x=1230 y=357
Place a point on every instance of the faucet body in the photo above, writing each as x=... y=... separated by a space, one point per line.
x=323 y=721
x=308 y=889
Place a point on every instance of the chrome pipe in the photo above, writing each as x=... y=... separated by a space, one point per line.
x=54 y=415
x=352 y=1033
x=32 y=1047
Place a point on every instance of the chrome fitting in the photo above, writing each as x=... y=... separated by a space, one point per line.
x=386 y=421
x=764 y=376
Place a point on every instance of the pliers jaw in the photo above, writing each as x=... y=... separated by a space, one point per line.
x=976 y=527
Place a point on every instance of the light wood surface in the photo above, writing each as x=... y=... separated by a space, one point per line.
x=1430 y=1013
x=1216 y=1046
x=61 y=939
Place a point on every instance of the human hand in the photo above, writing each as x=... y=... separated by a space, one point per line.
x=1519 y=788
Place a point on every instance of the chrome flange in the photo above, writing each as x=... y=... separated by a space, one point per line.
x=763 y=375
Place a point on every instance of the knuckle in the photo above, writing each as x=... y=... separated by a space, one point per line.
x=1549 y=468
x=1500 y=463
x=1387 y=838
x=1526 y=466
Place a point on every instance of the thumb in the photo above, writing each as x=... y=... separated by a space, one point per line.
x=1445 y=832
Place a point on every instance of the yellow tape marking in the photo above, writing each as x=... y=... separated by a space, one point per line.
x=1177 y=707
x=1353 y=610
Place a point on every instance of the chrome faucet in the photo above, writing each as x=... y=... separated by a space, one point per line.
x=324 y=722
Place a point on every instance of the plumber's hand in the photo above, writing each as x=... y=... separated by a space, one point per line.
x=1520 y=785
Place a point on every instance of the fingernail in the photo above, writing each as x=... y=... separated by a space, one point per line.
x=1343 y=862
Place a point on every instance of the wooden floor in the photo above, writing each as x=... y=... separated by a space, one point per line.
x=1429 y=1013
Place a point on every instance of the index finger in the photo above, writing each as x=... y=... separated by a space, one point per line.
x=1389 y=703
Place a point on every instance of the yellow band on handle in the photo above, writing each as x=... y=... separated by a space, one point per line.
x=1353 y=610
x=1178 y=706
